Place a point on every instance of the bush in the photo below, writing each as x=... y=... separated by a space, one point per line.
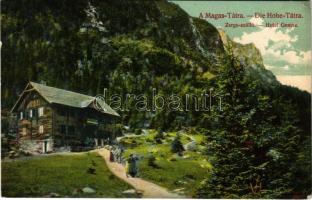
x=172 y=158
x=91 y=170
x=119 y=129
x=149 y=140
x=159 y=137
x=151 y=161
x=4 y=125
x=176 y=145
x=194 y=130
x=138 y=131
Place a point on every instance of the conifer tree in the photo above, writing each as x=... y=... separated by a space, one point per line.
x=253 y=149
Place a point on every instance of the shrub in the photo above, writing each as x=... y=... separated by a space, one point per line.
x=138 y=131
x=119 y=129
x=176 y=145
x=151 y=161
x=91 y=170
x=172 y=158
x=192 y=131
x=159 y=137
x=149 y=140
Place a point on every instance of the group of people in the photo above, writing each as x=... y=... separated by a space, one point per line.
x=116 y=154
x=131 y=163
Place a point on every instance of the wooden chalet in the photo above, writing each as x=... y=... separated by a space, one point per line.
x=52 y=119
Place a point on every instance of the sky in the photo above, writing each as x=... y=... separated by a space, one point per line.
x=285 y=51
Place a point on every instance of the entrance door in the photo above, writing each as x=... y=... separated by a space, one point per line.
x=44 y=146
x=89 y=131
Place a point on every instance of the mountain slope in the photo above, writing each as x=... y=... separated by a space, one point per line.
x=251 y=58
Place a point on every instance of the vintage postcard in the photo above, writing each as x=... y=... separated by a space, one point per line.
x=156 y=99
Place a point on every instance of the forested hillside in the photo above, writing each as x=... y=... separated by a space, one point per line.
x=259 y=145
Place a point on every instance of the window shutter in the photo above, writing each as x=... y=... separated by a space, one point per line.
x=31 y=113
x=41 y=111
x=41 y=129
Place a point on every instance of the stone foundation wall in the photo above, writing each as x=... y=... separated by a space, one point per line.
x=36 y=146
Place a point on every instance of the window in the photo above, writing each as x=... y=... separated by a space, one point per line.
x=61 y=112
x=41 y=129
x=35 y=113
x=40 y=111
x=21 y=115
x=71 y=130
x=30 y=113
x=62 y=129
x=24 y=131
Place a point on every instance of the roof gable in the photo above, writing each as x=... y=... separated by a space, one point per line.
x=67 y=98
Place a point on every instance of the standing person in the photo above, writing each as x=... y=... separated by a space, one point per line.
x=111 y=155
x=115 y=154
x=118 y=154
x=135 y=167
x=132 y=165
x=127 y=169
x=128 y=161
x=121 y=154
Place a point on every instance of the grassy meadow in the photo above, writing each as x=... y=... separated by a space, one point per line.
x=177 y=173
x=64 y=174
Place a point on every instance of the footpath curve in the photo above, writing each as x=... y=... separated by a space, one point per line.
x=150 y=190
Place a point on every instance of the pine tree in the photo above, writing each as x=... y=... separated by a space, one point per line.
x=254 y=147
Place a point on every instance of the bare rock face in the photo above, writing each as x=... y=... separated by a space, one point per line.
x=191 y=146
x=250 y=57
x=131 y=191
x=52 y=195
x=77 y=191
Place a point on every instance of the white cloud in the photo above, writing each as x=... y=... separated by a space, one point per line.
x=307 y=56
x=281 y=44
x=270 y=67
x=290 y=56
x=256 y=21
x=286 y=67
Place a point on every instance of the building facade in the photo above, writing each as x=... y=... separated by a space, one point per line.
x=52 y=119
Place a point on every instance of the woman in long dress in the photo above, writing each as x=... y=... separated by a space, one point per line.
x=127 y=169
x=132 y=168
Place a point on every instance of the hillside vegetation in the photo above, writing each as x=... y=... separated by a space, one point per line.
x=159 y=164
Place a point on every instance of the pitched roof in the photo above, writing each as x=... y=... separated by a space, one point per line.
x=68 y=98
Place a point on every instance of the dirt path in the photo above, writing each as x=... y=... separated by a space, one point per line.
x=150 y=190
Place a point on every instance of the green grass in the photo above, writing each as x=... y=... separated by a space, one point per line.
x=184 y=172
x=177 y=174
x=60 y=174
